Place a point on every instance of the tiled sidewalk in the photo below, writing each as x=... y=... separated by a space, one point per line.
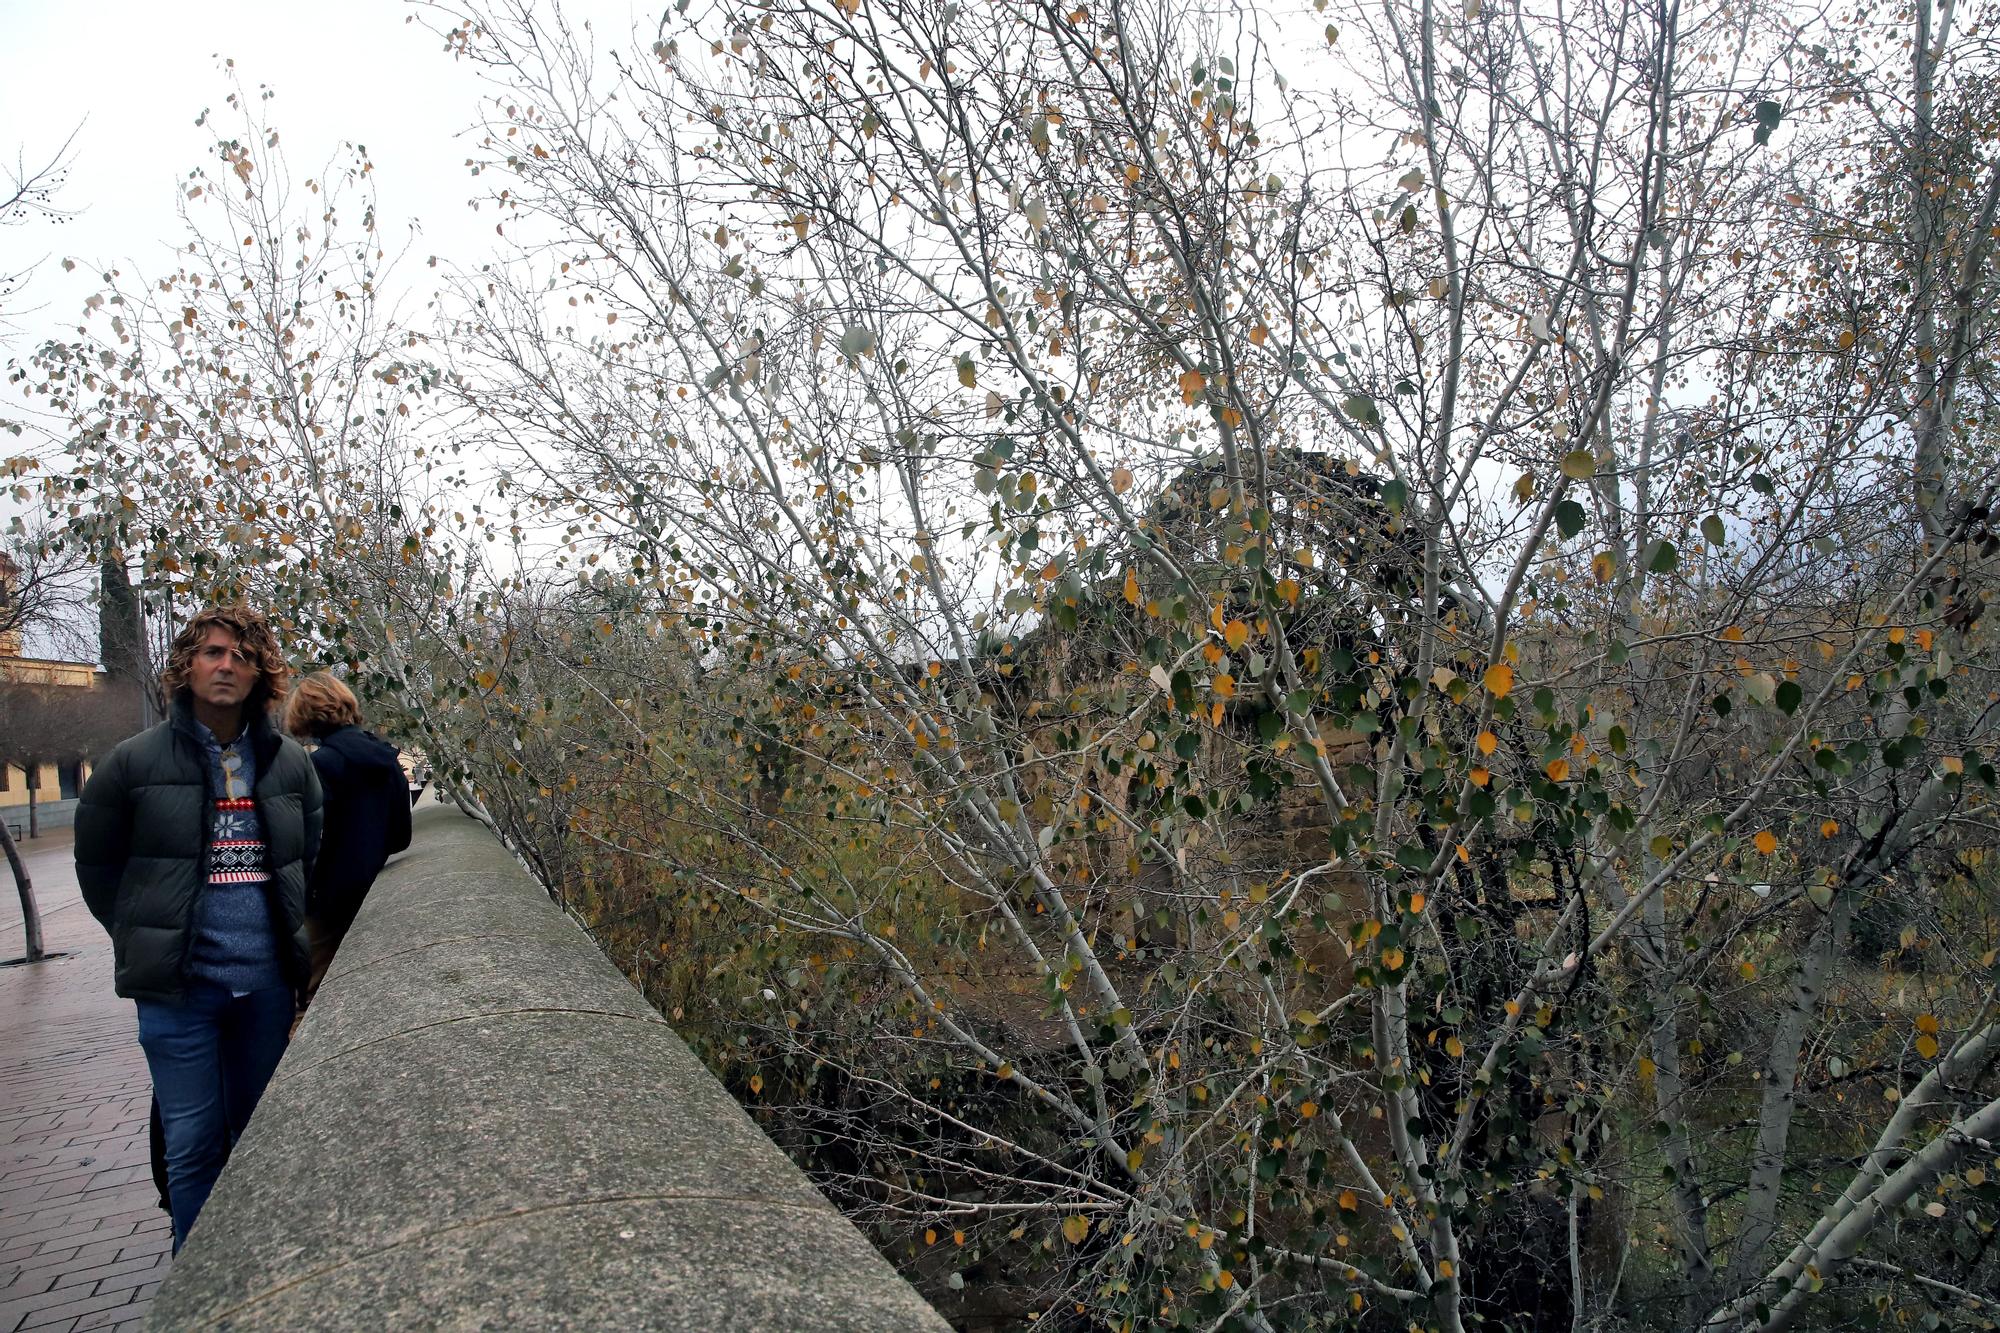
x=83 y=1242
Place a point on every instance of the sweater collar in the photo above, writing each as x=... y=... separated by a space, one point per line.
x=256 y=725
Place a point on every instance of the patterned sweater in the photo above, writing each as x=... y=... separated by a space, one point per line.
x=234 y=944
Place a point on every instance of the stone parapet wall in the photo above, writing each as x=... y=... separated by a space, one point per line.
x=480 y=1124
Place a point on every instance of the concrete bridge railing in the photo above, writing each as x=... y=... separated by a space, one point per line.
x=481 y=1124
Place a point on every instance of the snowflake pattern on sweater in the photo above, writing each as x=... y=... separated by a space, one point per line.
x=234 y=943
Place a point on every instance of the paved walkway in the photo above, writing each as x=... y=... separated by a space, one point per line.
x=83 y=1242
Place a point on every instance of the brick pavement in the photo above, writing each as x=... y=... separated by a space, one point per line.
x=83 y=1242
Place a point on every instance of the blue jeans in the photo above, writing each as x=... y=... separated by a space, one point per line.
x=211 y=1056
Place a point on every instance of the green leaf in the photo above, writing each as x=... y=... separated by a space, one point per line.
x=1713 y=531
x=1789 y=696
x=1569 y=518
x=1768 y=116
x=1362 y=408
x=1662 y=558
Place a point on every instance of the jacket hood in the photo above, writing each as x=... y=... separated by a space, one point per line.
x=360 y=748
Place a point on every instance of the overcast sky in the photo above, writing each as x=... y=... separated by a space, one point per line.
x=130 y=77
x=135 y=74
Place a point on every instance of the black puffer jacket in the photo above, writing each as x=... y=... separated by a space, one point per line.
x=143 y=829
x=367 y=818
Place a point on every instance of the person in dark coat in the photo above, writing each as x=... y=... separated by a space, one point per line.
x=367 y=810
x=194 y=843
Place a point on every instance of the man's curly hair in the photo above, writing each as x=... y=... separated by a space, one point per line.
x=253 y=636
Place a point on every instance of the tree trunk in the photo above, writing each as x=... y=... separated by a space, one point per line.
x=31 y=916
x=34 y=772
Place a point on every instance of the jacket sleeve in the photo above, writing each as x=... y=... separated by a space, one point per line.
x=104 y=835
x=396 y=795
x=313 y=804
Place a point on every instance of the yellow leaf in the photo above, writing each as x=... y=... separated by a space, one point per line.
x=1235 y=634
x=1392 y=959
x=1288 y=589
x=756 y=1083
x=1924 y=639
x=1927 y=1046
x=1075 y=1227
x=1927 y=1023
x=1828 y=829
x=1132 y=586
x=1557 y=769
x=1307 y=1110
x=1951 y=763
x=1896 y=635
x=1487 y=742
x=1121 y=479
x=1734 y=634
x=1453 y=1047
x=1192 y=383
x=1348 y=1203
x=1132 y=175
x=1767 y=842
x=1603 y=566
x=1225 y=1279
x=1258 y=335
x=1224 y=685
x=1480 y=776
x=930 y=1236
x=1417 y=901
x=1499 y=680
x=1846 y=339
x=799 y=222
x=1444 y=1268
x=1646 y=1067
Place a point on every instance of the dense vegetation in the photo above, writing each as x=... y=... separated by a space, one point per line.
x=1240 y=676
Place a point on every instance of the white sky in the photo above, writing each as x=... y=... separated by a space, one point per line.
x=136 y=74
x=131 y=76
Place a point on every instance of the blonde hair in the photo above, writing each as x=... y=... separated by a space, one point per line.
x=321 y=703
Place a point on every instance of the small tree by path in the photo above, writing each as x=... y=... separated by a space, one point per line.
x=54 y=724
x=31 y=916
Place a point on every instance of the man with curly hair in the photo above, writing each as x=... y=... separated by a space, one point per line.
x=194 y=841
